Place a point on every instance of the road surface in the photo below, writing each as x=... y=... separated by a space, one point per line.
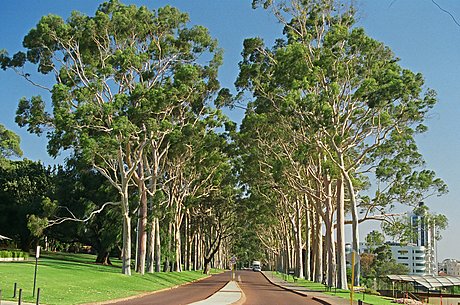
x=184 y=294
x=259 y=291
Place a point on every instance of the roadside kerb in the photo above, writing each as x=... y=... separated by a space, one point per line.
x=303 y=291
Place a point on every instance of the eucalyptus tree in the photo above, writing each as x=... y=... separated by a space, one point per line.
x=113 y=73
x=199 y=166
x=272 y=172
x=345 y=88
x=9 y=144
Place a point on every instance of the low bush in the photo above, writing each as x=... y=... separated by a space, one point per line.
x=5 y=254
x=371 y=291
x=13 y=254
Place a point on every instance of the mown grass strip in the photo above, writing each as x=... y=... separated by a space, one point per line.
x=74 y=279
x=318 y=287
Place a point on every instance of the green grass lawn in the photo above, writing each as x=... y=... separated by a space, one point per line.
x=318 y=287
x=75 y=279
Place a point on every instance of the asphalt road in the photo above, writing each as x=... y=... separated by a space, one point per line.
x=259 y=291
x=184 y=294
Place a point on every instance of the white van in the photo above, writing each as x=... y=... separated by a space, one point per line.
x=256 y=266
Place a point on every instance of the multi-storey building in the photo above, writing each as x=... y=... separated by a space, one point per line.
x=412 y=256
x=419 y=255
x=425 y=236
x=450 y=267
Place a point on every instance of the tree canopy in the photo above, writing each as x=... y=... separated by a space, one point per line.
x=329 y=133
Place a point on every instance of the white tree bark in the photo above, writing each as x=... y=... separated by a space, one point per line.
x=341 y=256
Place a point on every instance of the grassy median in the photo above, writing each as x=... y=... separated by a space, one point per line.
x=75 y=279
x=318 y=287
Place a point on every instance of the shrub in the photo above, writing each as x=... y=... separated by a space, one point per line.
x=15 y=254
x=371 y=291
x=5 y=254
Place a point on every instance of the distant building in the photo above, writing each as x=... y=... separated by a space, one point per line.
x=425 y=236
x=450 y=267
x=412 y=256
x=409 y=255
x=419 y=255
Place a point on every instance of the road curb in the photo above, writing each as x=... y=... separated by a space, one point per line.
x=321 y=301
x=318 y=299
x=285 y=288
x=243 y=296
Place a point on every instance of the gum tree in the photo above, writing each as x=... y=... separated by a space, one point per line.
x=343 y=93
x=117 y=77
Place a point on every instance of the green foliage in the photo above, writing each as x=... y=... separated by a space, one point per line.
x=14 y=254
x=371 y=291
x=82 y=190
x=120 y=43
x=330 y=101
x=374 y=239
x=130 y=85
x=9 y=144
x=23 y=186
x=379 y=262
x=36 y=225
x=6 y=254
x=402 y=230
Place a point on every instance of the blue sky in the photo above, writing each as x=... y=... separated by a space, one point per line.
x=425 y=38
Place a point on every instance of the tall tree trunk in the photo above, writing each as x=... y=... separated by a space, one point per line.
x=187 y=248
x=124 y=194
x=154 y=250
x=299 y=242
x=166 y=267
x=319 y=249
x=178 y=244
x=341 y=256
x=287 y=248
x=202 y=250
x=126 y=252
x=307 y=240
x=136 y=248
x=157 y=245
x=142 y=224
x=330 y=250
x=189 y=245
x=151 y=248
x=354 y=225
x=329 y=234
x=195 y=256
x=314 y=241
x=213 y=248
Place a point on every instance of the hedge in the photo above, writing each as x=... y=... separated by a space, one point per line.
x=13 y=254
